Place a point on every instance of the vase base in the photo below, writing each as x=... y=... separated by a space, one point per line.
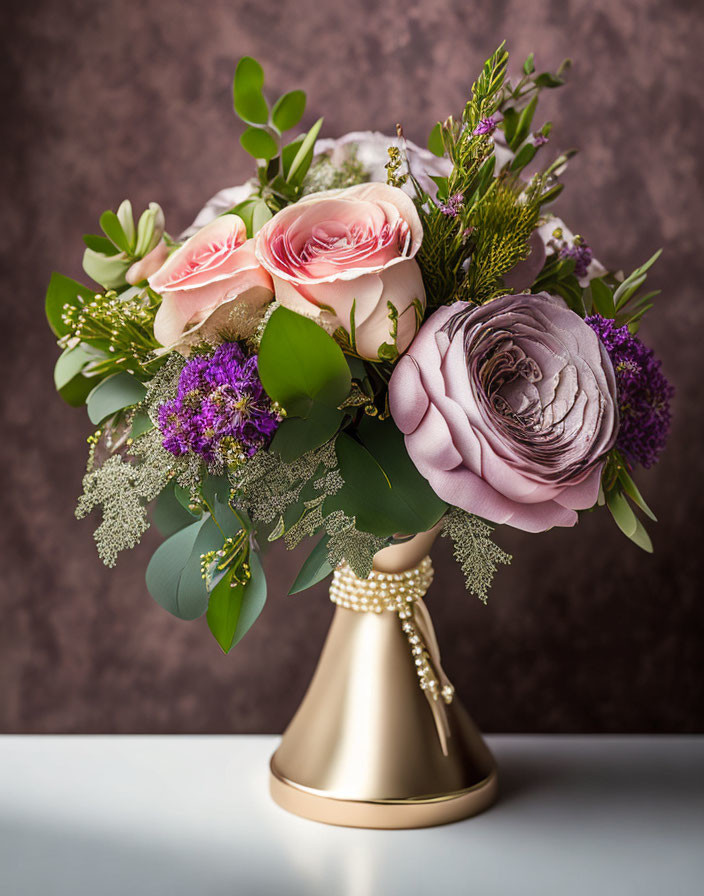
x=396 y=814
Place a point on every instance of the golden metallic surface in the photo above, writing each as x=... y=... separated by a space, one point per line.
x=363 y=749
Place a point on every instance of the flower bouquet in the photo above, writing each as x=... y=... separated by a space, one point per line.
x=366 y=344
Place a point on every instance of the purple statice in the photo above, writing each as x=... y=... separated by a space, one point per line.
x=452 y=207
x=485 y=126
x=644 y=394
x=581 y=253
x=221 y=410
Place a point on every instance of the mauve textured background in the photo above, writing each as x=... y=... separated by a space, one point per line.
x=104 y=99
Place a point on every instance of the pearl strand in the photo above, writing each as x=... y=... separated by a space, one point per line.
x=398 y=593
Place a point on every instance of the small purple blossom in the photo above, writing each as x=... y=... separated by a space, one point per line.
x=581 y=253
x=540 y=139
x=221 y=410
x=485 y=126
x=644 y=394
x=453 y=205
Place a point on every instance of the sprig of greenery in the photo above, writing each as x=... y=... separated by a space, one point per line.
x=618 y=491
x=281 y=166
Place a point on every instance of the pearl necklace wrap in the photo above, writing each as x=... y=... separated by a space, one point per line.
x=402 y=593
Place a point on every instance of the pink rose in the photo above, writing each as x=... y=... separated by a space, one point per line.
x=212 y=283
x=508 y=409
x=345 y=259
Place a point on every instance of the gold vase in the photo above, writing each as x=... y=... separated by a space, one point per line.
x=368 y=746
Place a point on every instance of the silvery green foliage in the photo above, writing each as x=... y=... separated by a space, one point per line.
x=271 y=489
x=474 y=550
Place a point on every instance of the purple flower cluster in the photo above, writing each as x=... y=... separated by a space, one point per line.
x=221 y=411
x=581 y=253
x=643 y=392
x=485 y=126
x=453 y=205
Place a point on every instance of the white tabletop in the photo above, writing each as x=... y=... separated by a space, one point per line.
x=137 y=816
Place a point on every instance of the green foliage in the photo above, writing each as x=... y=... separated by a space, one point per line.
x=282 y=167
x=115 y=331
x=107 y=259
x=503 y=224
x=518 y=102
x=300 y=366
x=623 y=300
x=558 y=278
x=617 y=490
x=316 y=567
x=62 y=293
x=382 y=488
x=234 y=606
x=121 y=390
x=474 y=550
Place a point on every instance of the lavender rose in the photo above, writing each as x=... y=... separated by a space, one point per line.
x=508 y=409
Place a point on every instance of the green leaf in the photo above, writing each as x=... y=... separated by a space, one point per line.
x=641 y=538
x=288 y=110
x=435 y=144
x=603 y=298
x=302 y=159
x=316 y=567
x=631 y=489
x=300 y=364
x=442 y=184
x=224 y=609
x=249 y=101
x=166 y=566
x=261 y=213
x=259 y=143
x=382 y=488
x=126 y=219
x=112 y=229
x=621 y=511
x=523 y=157
x=510 y=124
x=233 y=611
x=168 y=514
x=141 y=423
x=529 y=65
x=546 y=79
x=191 y=592
x=63 y=291
x=70 y=383
x=108 y=271
x=121 y=390
x=524 y=122
x=295 y=436
x=288 y=154
x=100 y=244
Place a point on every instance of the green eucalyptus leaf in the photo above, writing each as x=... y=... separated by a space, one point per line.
x=316 y=567
x=69 y=380
x=253 y=598
x=63 y=291
x=169 y=515
x=224 y=608
x=141 y=423
x=299 y=364
x=435 y=144
x=259 y=143
x=249 y=100
x=295 y=435
x=288 y=110
x=121 y=390
x=166 y=566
